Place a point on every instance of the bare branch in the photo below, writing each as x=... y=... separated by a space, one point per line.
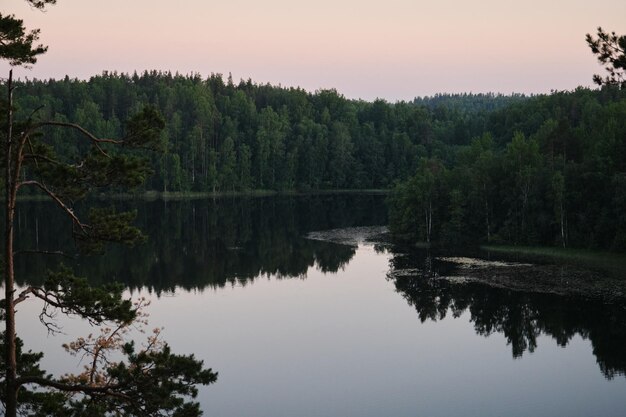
x=32 y=151
x=60 y=203
x=93 y=138
x=37 y=157
x=81 y=129
x=49 y=299
x=35 y=112
x=43 y=252
x=45 y=317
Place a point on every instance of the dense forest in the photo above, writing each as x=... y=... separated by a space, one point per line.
x=545 y=169
x=548 y=170
x=222 y=136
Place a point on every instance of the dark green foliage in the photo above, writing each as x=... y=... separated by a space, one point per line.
x=16 y=45
x=610 y=50
x=149 y=382
x=32 y=402
x=73 y=295
x=251 y=136
x=502 y=153
x=548 y=170
x=152 y=381
x=106 y=225
x=161 y=391
x=143 y=127
x=38 y=153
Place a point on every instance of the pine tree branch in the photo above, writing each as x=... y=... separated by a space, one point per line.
x=60 y=203
x=81 y=129
x=108 y=390
x=41 y=294
x=30 y=117
x=22 y=297
x=94 y=139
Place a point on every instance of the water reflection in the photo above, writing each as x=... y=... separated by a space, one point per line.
x=224 y=242
x=437 y=289
x=206 y=243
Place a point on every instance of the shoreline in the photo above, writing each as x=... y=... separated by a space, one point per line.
x=152 y=195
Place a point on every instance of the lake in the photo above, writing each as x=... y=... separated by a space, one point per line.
x=305 y=310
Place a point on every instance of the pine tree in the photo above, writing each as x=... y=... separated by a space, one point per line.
x=611 y=52
x=150 y=380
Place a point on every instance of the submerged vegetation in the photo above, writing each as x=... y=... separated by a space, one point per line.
x=601 y=260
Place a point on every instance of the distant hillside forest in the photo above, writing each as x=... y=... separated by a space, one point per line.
x=222 y=136
x=550 y=170
x=468 y=167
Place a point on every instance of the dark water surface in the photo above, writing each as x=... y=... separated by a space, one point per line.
x=334 y=325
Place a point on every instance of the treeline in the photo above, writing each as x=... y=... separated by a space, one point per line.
x=222 y=136
x=548 y=170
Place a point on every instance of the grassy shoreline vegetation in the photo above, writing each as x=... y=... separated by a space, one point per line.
x=583 y=257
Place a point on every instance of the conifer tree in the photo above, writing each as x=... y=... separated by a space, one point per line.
x=150 y=380
x=610 y=50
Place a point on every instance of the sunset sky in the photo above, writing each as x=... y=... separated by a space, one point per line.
x=393 y=49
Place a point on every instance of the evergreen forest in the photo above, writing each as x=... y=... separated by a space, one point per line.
x=223 y=137
x=467 y=168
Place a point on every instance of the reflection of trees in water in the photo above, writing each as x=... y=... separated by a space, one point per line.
x=521 y=316
x=200 y=243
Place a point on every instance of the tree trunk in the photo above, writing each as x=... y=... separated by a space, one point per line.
x=428 y=214
x=487 y=213
x=563 y=240
x=9 y=279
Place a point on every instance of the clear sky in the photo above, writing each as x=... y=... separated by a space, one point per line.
x=391 y=49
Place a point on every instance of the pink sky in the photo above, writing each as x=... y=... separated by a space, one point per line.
x=392 y=49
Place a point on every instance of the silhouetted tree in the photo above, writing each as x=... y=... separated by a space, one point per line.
x=611 y=52
x=148 y=381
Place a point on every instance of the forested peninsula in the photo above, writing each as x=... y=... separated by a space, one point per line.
x=467 y=168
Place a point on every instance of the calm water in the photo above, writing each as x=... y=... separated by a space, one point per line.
x=304 y=327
